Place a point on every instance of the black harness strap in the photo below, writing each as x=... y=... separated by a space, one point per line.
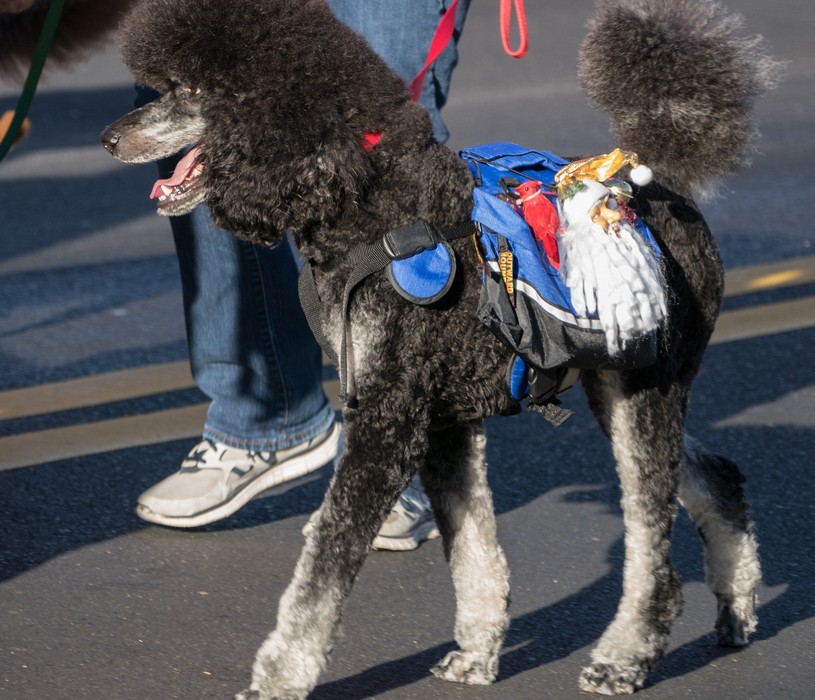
x=310 y=302
x=366 y=259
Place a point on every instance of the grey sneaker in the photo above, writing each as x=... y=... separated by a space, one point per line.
x=215 y=480
x=409 y=523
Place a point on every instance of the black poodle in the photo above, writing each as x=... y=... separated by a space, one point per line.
x=277 y=96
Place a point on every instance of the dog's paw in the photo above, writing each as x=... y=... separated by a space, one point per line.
x=469 y=667
x=734 y=624
x=250 y=694
x=608 y=679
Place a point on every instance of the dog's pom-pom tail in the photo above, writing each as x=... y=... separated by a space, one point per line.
x=679 y=80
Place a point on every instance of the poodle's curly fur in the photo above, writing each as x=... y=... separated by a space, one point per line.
x=277 y=94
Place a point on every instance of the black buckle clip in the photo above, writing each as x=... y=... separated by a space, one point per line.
x=409 y=240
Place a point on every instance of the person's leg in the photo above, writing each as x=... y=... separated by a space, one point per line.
x=251 y=350
x=253 y=355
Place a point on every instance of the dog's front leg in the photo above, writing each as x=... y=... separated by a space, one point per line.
x=379 y=459
x=456 y=482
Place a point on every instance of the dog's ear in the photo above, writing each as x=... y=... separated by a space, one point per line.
x=83 y=28
x=259 y=194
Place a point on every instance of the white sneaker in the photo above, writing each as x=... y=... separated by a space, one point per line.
x=215 y=480
x=409 y=523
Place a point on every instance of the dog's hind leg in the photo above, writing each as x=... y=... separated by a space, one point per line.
x=379 y=459
x=456 y=482
x=646 y=428
x=711 y=490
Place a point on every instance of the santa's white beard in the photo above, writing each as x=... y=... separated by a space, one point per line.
x=614 y=275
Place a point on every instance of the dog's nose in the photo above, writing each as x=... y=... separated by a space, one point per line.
x=109 y=138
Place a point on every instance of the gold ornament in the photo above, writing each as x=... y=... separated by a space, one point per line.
x=598 y=168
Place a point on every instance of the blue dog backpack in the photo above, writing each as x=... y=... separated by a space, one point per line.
x=523 y=300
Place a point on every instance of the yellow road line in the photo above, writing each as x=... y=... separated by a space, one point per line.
x=765 y=319
x=174 y=424
x=96 y=390
x=44 y=446
x=757 y=278
x=162 y=426
x=173 y=376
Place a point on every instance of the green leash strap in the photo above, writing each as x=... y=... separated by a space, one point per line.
x=40 y=54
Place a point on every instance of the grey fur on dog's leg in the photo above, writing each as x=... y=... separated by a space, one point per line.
x=363 y=490
x=456 y=483
x=711 y=490
x=289 y=662
x=646 y=431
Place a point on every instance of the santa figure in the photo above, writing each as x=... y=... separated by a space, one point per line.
x=608 y=266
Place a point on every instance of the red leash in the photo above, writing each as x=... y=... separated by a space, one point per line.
x=505 y=18
x=441 y=38
x=447 y=25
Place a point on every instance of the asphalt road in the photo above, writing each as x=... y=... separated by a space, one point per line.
x=95 y=406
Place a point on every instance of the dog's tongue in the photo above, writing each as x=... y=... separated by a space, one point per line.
x=181 y=172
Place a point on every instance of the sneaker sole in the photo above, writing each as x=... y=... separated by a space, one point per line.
x=424 y=531
x=292 y=468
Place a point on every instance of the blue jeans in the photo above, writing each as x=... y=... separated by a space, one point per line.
x=251 y=351
x=400 y=32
